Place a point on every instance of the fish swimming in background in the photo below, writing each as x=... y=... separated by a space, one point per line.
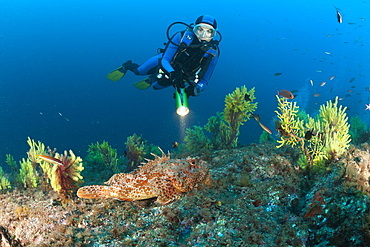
x=247 y=97
x=332 y=77
x=316 y=95
x=339 y=15
x=286 y=94
x=311 y=81
x=352 y=80
x=257 y=118
x=175 y=145
x=322 y=83
x=277 y=74
x=309 y=134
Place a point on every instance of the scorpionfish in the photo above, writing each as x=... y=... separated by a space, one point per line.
x=164 y=178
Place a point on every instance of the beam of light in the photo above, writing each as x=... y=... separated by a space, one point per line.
x=183 y=124
x=181 y=102
x=182 y=111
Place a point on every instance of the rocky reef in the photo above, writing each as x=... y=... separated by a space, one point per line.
x=256 y=196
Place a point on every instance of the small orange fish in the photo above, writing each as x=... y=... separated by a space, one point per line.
x=286 y=94
x=50 y=159
x=257 y=118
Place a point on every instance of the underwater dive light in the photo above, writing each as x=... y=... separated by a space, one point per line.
x=181 y=102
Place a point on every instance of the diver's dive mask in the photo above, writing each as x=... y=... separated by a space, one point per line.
x=204 y=31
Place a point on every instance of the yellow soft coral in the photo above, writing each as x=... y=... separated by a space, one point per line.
x=65 y=176
x=27 y=175
x=328 y=133
x=290 y=126
x=237 y=111
x=4 y=182
x=335 y=124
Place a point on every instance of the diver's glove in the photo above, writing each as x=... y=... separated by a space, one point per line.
x=192 y=91
x=177 y=81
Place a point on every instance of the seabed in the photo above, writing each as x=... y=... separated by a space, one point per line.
x=256 y=197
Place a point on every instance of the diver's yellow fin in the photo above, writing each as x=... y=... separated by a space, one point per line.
x=116 y=74
x=143 y=84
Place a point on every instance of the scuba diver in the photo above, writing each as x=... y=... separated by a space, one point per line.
x=186 y=63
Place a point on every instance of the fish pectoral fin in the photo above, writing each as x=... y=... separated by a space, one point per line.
x=165 y=191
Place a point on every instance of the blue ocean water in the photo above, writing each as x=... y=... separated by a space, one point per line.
x=54 y=56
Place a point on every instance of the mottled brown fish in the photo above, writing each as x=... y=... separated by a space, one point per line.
x=164 y=178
